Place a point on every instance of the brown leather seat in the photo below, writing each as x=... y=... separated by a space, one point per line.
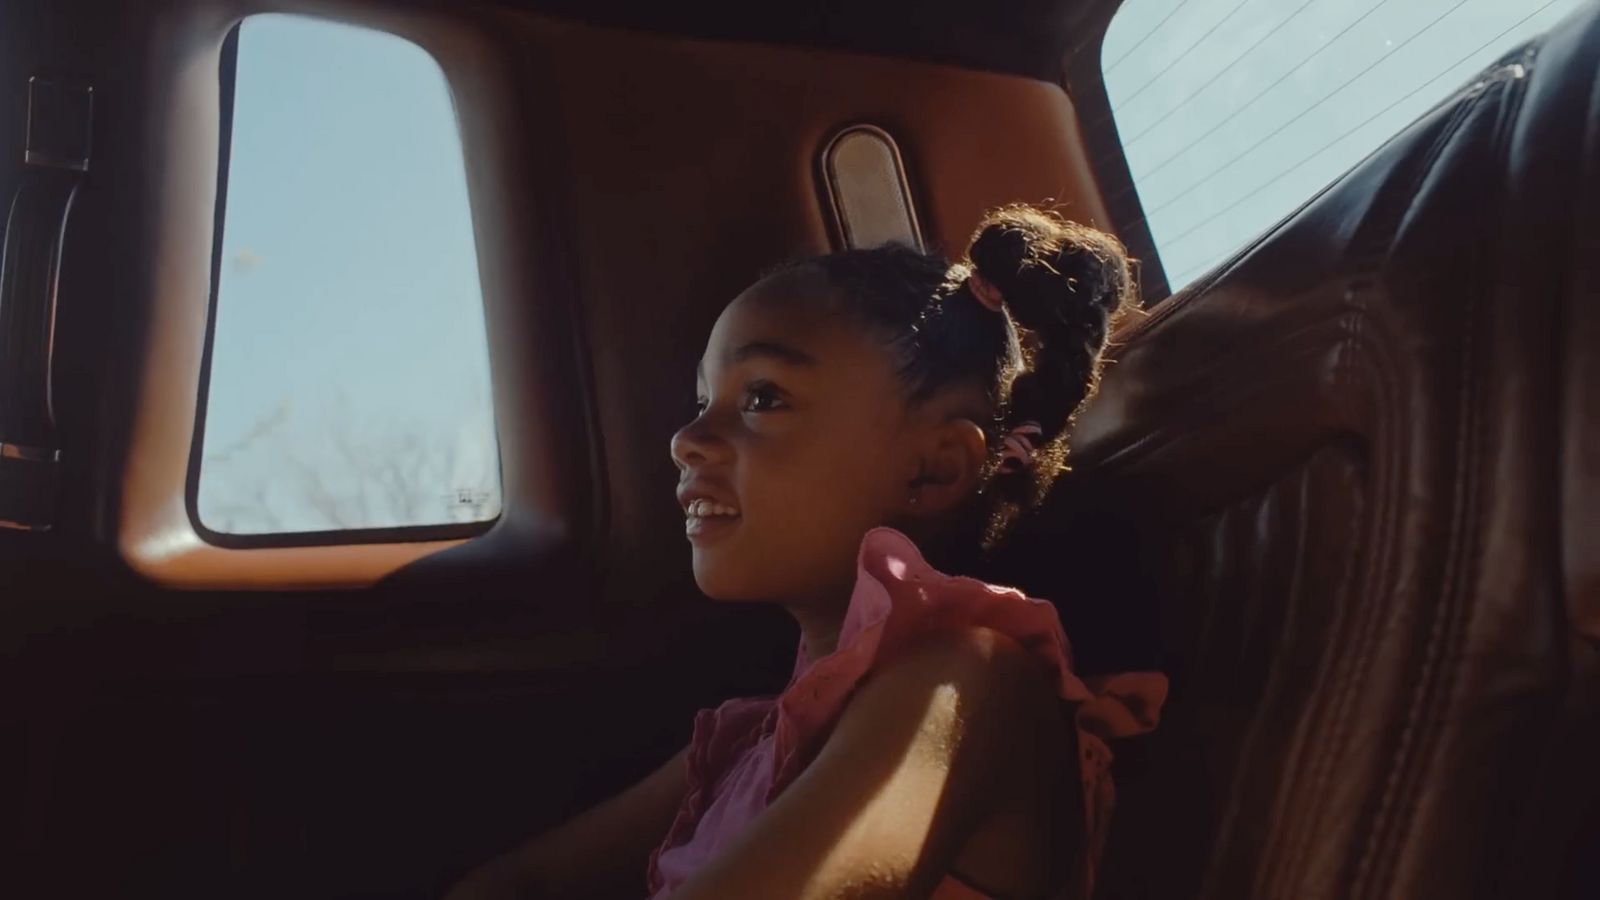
x=1363 y=460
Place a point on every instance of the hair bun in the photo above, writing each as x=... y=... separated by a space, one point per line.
x=1051 y=271
x=1067 y=284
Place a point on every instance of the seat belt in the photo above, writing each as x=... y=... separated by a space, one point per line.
x=55 y=159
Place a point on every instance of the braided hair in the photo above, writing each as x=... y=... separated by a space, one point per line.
x=1025 y=317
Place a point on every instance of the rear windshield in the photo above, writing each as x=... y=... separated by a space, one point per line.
x=1232 y=113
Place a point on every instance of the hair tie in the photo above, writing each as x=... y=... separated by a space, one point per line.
x=986 y=292
x=1019 y=447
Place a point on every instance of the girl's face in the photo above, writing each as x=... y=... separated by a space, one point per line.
x=803 y=443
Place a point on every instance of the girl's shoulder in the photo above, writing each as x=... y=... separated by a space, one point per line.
x=901 y=603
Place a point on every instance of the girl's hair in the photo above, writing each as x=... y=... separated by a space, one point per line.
x=1063 y=285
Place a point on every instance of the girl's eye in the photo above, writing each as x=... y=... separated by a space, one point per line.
x=763 y=397
x=700 y=404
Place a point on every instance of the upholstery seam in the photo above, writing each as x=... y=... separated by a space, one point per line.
x=1437 y=676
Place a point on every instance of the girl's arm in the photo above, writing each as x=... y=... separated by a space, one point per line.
x=907 y=775
x=601 y=853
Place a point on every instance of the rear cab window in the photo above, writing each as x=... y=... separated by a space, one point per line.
x=1232 y=113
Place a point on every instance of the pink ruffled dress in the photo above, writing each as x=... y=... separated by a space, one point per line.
x=746 y=751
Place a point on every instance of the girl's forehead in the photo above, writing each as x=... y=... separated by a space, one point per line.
x=816 y=333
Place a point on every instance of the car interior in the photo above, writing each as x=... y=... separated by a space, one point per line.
x=1343 y=487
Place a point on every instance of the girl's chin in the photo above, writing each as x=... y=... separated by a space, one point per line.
x=724 y=594
x=726 y=583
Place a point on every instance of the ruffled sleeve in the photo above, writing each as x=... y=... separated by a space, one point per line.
x=898 y=596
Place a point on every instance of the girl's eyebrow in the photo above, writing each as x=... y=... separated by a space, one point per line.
x=774 y=350
x=769 y=349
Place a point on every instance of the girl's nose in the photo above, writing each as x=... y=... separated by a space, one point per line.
x=697 y=444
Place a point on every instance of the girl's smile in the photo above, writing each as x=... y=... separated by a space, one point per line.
x=705 y=519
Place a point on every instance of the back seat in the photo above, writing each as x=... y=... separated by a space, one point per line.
x=1355 y=473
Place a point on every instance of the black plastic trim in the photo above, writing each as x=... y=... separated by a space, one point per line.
x=1085 y=82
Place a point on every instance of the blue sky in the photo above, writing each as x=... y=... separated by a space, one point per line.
x=349 y=383
x=350 y=351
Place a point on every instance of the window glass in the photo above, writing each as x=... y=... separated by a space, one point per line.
x=349 y=382
x=1232 y=113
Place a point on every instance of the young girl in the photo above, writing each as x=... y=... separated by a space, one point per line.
x=854 y=408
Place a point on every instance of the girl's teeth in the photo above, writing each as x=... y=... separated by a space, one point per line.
x=703 y=508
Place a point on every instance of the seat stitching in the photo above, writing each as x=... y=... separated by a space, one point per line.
x=1351 y=665
x=1397 y=804
x=1463 y=575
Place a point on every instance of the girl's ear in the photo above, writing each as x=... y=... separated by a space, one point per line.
x=950 y=465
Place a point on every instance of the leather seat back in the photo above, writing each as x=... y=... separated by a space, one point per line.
x=1353 y=460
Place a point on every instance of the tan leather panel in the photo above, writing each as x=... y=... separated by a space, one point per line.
x=531 y=352
x=689 y=167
